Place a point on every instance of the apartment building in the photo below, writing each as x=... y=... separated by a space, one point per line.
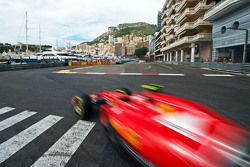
x=159 y=20
x=229 y=43
x=186 y=37
x=158 y=46
x=118 y=49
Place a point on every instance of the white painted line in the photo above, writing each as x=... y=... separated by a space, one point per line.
x=14 y=144
x=95 y=73
x=205 y=68
x=218 y=75
x=5 y=110
x=77 y=68
x=60 y=153
x=131 y=74
x=172 y=74
x=81 y=68
x=89 y=67
x=15 y=119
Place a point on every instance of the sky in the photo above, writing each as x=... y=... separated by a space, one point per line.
x=70 y=20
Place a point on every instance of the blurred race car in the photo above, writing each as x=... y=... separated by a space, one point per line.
x=158 y=129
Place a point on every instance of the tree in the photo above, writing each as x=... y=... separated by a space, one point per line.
x=141 y=52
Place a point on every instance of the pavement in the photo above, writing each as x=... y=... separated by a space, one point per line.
x=37 y=124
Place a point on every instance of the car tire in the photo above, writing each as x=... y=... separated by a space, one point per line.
x=124 y=91
x=82 y=106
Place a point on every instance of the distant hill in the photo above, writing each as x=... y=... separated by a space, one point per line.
x=138 y=29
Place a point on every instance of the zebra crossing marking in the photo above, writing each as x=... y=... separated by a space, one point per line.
x=5 y=110
x=60 y=153
x=15 y=119
x=14 y=144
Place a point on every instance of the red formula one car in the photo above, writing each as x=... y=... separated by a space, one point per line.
x=163 y=130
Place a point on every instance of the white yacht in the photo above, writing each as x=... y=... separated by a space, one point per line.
x=55 y=56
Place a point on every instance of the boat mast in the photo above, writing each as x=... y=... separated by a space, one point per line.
x=40 y=38
x=26 y=27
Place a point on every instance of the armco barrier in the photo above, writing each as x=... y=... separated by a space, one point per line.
x=235 y=68
x=10 y=67
x=89 y=63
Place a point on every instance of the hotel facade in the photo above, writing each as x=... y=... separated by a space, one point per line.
x=184 y=35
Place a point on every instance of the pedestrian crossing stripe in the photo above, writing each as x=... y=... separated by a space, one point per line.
x=14 y=144
x=5 y=110
x=15 y=119
x=66 y=145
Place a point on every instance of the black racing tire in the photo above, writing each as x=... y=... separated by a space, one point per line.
x=124 y=91
x=82 y=106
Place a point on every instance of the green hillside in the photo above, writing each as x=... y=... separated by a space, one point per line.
x=138 y=29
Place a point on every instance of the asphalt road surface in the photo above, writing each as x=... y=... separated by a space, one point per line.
x=37 y=124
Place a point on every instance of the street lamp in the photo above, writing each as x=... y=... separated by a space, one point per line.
x=236 y=27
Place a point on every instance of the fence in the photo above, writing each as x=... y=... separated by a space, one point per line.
x=236 y=68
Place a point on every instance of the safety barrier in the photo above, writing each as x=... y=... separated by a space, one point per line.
x=236 y=68
x=90 y=63
x=10 y=67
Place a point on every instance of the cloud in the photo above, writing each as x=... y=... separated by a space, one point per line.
x=77 y=20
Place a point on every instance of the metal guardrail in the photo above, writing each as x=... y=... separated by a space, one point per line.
x=10 y=67
x=235 y=68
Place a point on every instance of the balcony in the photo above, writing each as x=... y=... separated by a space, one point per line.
x=223 y=8
x=168 y=38
x=184 y=3
x=178 y=43
x=188 y=40
x=164 y=14
x=163 y=36
x=164 y=22
x=202 y=37
x=192 y=25
x=171 y=20
x=158 y=50
x=187 y=25
x=171 y=10
x=163 y=29
x=158 y=44
x=169 y=3
x=198 y=9
x=188 y=11
x=171 y=28
x=177 y=4
x=176 y=28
